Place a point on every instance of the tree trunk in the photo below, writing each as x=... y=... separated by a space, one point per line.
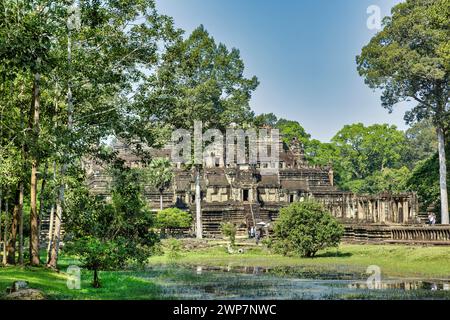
x=21 y=189
x=54 y=251
x=96 y=282
x=198 y=203
x=59 y=210
x=41 y=197
x=5 y=233
x=50 y=232
x=1 y=211
x=442 y=176
x=51 y=221
x=34 y=227
x=11 y=259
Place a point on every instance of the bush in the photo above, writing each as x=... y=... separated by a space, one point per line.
x=174 y=249
x=303 y=228
x=229 y=230
x=173 y=218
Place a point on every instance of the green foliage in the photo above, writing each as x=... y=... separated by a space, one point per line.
x=422 y=142
x=409 y=59
x=174 y=249
x=202 y=80
x=292 y=129
x=304 y=228
x=424 y=180
x=159 y=173
x=265 y=119
x=229 y=230
x=173 y=218
x=111 y=235
x=362 y=157
x=386 y=180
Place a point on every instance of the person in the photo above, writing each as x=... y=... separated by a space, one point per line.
x=252 y=232
x=430 y=218
x=258 y=236
x=433 y=219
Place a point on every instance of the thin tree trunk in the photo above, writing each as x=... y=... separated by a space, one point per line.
x=5 y=233
x=21 y=189
x=22 y=184
x=1 y=191
x=198 y=203
x=442 y=176
x=11 y=259
x=51 y=221
x=34 y=227
x=1 y=211
x=50 y=232
x=54 y=251
x=59 y=210
x=41 y=197
x=96 y=282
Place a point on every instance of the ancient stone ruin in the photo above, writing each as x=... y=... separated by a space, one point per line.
x=242 y=195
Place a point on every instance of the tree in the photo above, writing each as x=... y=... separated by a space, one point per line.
x=386 y=180
x=409 y=60
x=357 y=152
x=229 y=230
x=304 y=228
x=265 y=119
x=200 y=80
x=160 y=175
x=114 y=50
x=292 y=129
x=109 y=235
x=172 y=218
x=422 y=142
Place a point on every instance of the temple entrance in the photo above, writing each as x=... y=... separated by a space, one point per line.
x=245 y=195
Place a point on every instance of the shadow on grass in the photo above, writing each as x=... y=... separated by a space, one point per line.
x=331 y=254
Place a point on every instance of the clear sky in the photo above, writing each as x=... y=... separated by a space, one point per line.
x=303 y=53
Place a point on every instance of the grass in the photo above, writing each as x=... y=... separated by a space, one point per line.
x=394 y=260
x=115 y=284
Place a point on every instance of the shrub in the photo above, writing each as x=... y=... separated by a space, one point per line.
x=174 y=249
x=229 y=230
x=303 y=228
x=173 y=218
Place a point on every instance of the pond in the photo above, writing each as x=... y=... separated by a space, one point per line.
x=284 y=283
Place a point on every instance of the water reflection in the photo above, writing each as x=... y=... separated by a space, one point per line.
x=245 y=282
x=403 y=284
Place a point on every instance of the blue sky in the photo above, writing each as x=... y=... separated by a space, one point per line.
x=303 y=53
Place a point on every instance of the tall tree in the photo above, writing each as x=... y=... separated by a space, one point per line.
x=409 y=60
x=159 y=174
x=200 y=80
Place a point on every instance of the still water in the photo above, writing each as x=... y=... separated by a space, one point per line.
x=200 y=282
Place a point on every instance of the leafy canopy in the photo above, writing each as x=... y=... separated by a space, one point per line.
x=304 y=228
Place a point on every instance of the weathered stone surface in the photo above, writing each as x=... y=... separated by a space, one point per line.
x=26 y=294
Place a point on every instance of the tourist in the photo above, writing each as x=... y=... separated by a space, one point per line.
x=430 y=218
x=258 y=236
x=433 y=219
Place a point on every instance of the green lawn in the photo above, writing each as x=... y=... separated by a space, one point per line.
x=394 y=260
x=115 y=284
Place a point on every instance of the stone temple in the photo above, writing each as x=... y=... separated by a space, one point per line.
x=242 y=195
